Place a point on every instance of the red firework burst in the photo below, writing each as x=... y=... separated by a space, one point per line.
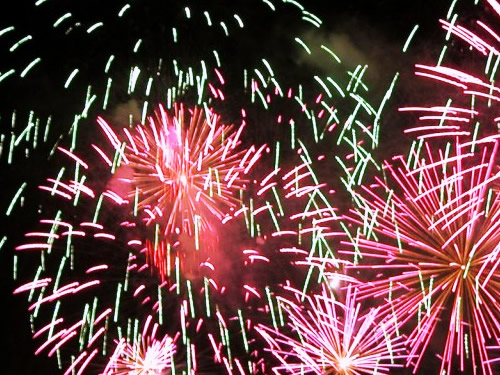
x=434 y=238
x=184 y=174
x=182 y=171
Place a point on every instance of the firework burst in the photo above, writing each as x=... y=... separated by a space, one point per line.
x=182 y=171
x=433 y=239
x=334 y=338
x=147 y=356
x=181 y=175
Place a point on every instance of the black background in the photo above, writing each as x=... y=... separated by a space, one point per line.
x=379 y=27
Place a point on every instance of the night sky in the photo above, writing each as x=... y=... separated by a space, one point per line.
x=372 y=31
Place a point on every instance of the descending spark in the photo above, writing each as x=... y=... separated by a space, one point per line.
x=473 y=92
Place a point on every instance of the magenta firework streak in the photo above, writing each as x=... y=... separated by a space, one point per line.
x=59 y=291
x=430 y=235
x=333 y=337
x=473 y=90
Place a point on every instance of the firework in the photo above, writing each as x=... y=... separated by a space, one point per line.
x=182 y=171
x=431 y=236
x=147 y=356
x=182 y=175
x=334 y=338
x=179 y=172
x=191 y=286
x=469 y=110
x=59 y=290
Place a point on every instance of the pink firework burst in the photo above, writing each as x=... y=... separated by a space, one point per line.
x=334 y=337
x=145 y=356
x=432 y=235
x=182 y=171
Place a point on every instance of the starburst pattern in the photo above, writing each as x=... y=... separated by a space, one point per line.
x=433 y=237
x=334 y=337
x=183 y=171
x=146 y=356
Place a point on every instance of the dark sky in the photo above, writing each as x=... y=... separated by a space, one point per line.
x=377 y=28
